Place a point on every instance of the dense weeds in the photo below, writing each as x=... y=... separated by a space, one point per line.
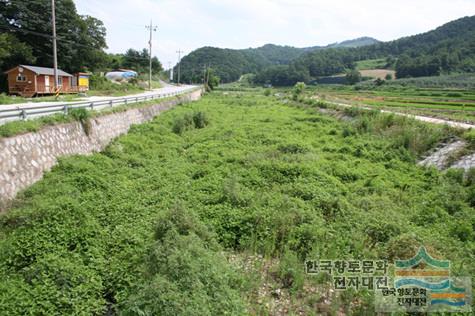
x=143 y=228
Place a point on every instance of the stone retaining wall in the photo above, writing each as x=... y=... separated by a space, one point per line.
x=24 y=158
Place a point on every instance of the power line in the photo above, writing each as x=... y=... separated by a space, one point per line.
x=59 y=38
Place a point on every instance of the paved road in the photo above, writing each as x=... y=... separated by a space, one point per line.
x=32 y=107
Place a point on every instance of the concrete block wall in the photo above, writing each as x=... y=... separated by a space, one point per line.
x=25 y=158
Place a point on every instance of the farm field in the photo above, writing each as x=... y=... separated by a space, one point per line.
x=213 y=207
x=378 y=73
x=457 y=105
x=367 y=64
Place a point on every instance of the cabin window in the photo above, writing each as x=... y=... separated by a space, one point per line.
x=60 y=81
x=21 y=78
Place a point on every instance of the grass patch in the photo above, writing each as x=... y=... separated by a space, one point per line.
x=380 y=63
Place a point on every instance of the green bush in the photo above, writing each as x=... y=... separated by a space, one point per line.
x=298 y=90
x=81 y=115
x=292 y=149
x=101 y=83
x=189 y=121
x=184 y=272
x=200 y=119
x=469 y=136
x=291 y=272
x=182 y=124
x=470 y=177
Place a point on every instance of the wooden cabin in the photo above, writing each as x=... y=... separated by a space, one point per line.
x=29 y=81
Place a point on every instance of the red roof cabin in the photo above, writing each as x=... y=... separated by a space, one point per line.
x=29 y=81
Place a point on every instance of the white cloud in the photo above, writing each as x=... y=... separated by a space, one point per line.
x=190 y=24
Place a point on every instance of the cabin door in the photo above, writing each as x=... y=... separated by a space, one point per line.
x=47 y=84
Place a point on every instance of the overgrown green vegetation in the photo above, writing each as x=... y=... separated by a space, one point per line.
x=5 y=99
x=142 y=228
x=378 y=63
x=102 y=86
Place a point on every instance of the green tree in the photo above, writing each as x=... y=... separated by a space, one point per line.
x=353 y=77
x=139 y=61
x=13 y=52
x=213 y=79
x=81 y=39
x=298 y=90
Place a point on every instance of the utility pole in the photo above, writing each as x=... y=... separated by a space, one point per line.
x=55 y=54
x=207 y=74
x=179 y=52
x=170 y=69
x=152 y=29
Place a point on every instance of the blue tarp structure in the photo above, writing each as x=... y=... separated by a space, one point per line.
x=120 y=75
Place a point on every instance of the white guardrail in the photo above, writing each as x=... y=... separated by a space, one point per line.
x=34 y=111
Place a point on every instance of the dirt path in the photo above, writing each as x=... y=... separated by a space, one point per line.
x=417 y=117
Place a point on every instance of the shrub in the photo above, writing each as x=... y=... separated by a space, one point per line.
x=382 y=232
x=291 y=271
x=82 y=116
x=189 y=121
x=379 y=82
x=293 y=149
x=462 y=230
x=403 y=246
x=347 y=132
x=322 y=105
x=470 y=177
x=353 y=77
x=471 y=196
x=184 y=272
x=298 y=90
x=267 y=92
x=469 y=136
x=101 y=83
x=200 y=119
x=182 y=124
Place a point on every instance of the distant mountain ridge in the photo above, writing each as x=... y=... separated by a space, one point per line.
x=357 y=42
x=447 y=49
x=230 y=64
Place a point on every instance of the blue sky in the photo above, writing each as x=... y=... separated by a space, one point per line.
x=190 y=24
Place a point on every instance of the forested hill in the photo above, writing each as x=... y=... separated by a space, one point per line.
x=230 y=64
x=449 y=48
x=358 y=42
